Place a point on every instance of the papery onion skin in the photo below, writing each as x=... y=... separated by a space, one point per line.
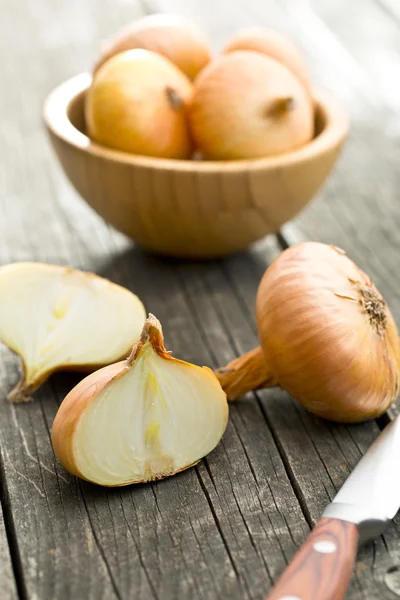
x=73 y=407
x=247 y=105
x=275 y=45
x=137 y=103
x=247 y=372
x=172 y=36
x=327 y=335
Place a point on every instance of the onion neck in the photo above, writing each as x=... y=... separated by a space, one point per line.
x=246 y=373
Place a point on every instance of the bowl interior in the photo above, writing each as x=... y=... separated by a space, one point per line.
x=76 y=113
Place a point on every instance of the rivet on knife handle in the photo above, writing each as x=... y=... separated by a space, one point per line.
x=321 y=569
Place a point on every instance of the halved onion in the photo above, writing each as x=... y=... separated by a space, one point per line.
x=58 y=318
x=144 y=418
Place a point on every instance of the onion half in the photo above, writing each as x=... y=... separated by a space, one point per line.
x=141 y=419
x=58 y=318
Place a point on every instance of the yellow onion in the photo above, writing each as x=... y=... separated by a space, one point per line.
x=247 y=105
x=58 y=318
x=275 y=45
x=327 y=336
x=137 y=103
x=144 y=418
x=172 y=36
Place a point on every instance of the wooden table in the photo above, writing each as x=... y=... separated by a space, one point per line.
x=226 y=528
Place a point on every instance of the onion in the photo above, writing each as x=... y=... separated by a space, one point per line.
x=145 y=418
x=246 y=105
x=327 y=337
x=172 y=36
x=137 y=102
x=57 y=318
x=275 y=45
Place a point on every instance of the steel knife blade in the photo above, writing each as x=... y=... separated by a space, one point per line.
x=361 y=510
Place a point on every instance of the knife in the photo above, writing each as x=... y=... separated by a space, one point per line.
x=361 y=511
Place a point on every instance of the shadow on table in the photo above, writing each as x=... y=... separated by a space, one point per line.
x=134 y=262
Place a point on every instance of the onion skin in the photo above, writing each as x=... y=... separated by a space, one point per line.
x=275 y=45
x=327 y=336
x=247 y=105
x=172 y=36
x=137 y=103
x=75 y=403
x=248 y=372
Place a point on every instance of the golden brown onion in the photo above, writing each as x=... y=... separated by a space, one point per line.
x=172 y=36
x=137 y=103
x=247 y=105
x=275 y=45
x=327 y=337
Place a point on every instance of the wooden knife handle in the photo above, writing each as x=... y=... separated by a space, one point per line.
x=321 y=569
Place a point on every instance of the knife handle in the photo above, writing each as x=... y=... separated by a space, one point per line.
x=321 y=569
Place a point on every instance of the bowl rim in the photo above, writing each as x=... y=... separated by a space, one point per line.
x=55 y=114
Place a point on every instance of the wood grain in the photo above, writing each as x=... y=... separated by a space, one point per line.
x=225 y=529
x=257 y=513
x=322 y=568
x=357 y=211
x=228 y=528
x=7 y=579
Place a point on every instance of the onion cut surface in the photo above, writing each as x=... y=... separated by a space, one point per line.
x=141 y=419
x=58 y=318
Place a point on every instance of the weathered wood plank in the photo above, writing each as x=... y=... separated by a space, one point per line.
x=7 y=579
x=308 y=445
x=225 y=529
x=358 y=209
x=391 y=7
x=246 y=484
x=318 y=464
x=45 y=509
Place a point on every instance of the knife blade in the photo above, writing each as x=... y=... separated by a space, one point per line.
x=361 y=510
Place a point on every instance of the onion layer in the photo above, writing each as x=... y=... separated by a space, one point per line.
x=327 y=337
x=58 y=318
x=141 y=419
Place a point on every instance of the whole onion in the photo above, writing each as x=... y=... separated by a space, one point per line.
x=247 y=105
x=275 y=45
x=173 y=36
x=137 y=103
x=327 y=336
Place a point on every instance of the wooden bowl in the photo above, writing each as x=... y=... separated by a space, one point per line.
x=184 y=208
